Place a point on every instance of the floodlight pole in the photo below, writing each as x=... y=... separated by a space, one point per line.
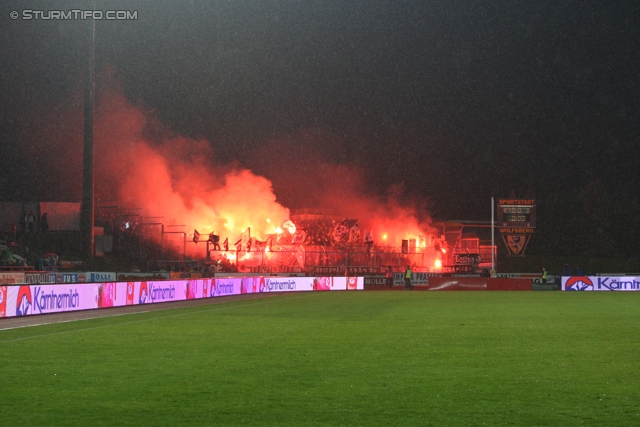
x=493 y=243
x=87 y=213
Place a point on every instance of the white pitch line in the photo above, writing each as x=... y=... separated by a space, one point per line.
x=134 y=321
x=72 y=320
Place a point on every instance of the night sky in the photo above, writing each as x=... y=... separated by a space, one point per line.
x=452 y=101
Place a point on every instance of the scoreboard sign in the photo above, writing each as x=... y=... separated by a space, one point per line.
x=516 y=213
x=516 y=222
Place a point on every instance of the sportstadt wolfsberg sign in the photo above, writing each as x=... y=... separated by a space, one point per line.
x=516 y=222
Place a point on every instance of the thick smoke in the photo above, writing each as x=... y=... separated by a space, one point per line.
x=174 y=177
x=141 y=166
x=304 y=176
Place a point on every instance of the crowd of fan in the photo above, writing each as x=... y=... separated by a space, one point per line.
x=10 y=259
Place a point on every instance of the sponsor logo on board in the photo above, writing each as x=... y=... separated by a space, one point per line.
x=578 y=283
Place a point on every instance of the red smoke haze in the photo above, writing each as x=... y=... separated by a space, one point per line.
x=177 y=179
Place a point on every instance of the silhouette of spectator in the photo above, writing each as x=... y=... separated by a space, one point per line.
x=408 y=275
x=389 y=277
x=23 y=223
x=215 y=239
x=7 y=257
x=26 y=253
x=44 y=223
x=31 y=220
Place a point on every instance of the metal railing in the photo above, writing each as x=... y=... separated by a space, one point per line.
x=307 y=258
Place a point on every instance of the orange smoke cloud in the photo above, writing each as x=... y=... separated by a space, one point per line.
x=175 y=178
x=139 y=164
x=311 y=181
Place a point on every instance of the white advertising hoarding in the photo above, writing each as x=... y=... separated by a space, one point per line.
x=27 y=300
x=43 y=298
x=600 y=283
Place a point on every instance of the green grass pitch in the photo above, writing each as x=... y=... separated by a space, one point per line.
x=336 y=359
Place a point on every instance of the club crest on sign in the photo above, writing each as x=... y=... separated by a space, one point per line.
x=515 y=243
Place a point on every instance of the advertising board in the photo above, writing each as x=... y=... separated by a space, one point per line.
x=100 y=276
x=11 y=278
x=41 y=277
x=71 y=278
x=350 y=270
x=40 y=298
x=375 y=280
x=418 y=279
x=3 y=301
x=601 y=283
